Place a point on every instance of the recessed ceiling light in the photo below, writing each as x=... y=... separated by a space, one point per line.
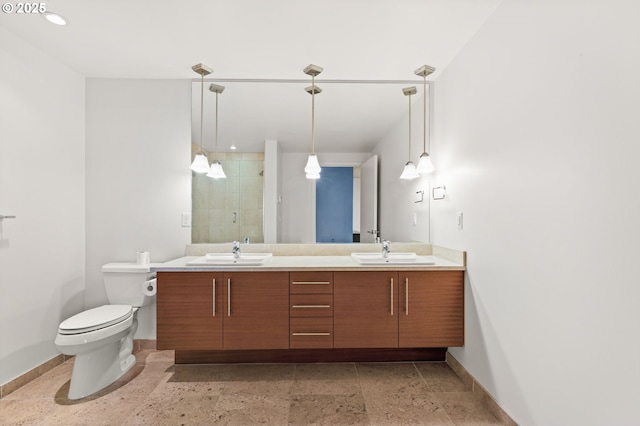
x=54 y=18
x=233 y=146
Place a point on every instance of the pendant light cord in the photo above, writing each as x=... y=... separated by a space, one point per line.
x=216 y=124
x=409 y=126
x=201 y=108
x=313 y=113
x=424 y=108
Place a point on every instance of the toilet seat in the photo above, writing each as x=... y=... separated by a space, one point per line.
x=95 y=319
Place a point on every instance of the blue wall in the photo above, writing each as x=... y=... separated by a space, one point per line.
x=334 y=205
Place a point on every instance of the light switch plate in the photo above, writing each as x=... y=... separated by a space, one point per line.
x=459 y=215
x=186 y=220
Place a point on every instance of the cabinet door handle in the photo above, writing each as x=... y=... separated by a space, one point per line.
x=310 y=282
x=311 y=334
x=229 y=297
x=406 y=296
x=391 y=296
x=310 y=306
x=214 y=297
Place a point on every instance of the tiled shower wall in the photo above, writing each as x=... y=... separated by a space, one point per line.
x=230 y=209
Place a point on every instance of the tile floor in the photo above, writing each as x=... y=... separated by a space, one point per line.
x=157 y=392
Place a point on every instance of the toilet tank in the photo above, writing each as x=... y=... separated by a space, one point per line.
x=124 y=283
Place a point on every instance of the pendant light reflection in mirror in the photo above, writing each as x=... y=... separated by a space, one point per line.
x=312 y=169
x=216 y=170
x=425 y=165
x=200 y=162
x=409 y=172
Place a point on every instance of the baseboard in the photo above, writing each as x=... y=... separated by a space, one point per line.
x=30 y=375
x=472 y=385
x=34 y=373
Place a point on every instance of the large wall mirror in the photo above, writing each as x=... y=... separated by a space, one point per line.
x=265 y=197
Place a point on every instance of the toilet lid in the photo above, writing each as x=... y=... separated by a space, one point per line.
x=95 y=319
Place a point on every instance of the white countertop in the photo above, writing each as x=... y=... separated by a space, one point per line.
x=308 y=263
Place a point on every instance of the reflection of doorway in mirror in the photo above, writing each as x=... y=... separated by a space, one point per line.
x=230 y=209
x=364 y=206
x=334 y=205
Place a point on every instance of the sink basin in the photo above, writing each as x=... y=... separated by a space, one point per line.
x=393 y=259
x=227 y=259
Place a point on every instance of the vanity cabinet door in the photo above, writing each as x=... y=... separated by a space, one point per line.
x=256 y=310
x=189 y=310
x=431 y=309
x=365 y=311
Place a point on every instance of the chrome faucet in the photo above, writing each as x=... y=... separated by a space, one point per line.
x=386 y=248
x=236 y=249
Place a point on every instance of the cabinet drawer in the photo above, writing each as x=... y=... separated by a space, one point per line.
x=311 y=333
x=311 y=305
x=311 y=282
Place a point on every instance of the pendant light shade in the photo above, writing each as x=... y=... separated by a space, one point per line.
x=216 y=171
x=425 y=165
x=312 y=169
x=200 y=162
x=409 y=171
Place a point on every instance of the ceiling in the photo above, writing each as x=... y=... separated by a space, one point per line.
x=371 y=46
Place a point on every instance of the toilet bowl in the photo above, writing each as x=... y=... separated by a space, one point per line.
x=101 y=339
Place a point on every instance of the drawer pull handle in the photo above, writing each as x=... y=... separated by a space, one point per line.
x=228 y=297
x=406 y=296
x=214 y=297
x=311 y=334
x=310 y=282
x=311 y=306
x=391 y=296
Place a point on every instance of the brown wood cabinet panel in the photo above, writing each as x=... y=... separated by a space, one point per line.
x=311 y=305
x=311 y=282
x=365 y=309
x=258 y=314
x=435 y=303
x=186 y=318
x=309 y=333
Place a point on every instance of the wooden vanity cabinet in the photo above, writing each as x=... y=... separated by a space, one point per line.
x=256 y=310
x=233 y=316
x=251 y=310
x=421 y=309
x=431 y=309
x=189 y=310
x=365 y=309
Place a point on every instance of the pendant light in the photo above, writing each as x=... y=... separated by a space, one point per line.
x=424 y=164
x=200 y=163
x=216 y=171
x=409 y=171
x=312 y=169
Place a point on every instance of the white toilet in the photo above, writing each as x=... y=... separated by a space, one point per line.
x=102 y=338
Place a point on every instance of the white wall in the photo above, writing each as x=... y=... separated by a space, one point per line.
x=138 y=177
x=538 y=144
x=299 y=193
x=42 y=183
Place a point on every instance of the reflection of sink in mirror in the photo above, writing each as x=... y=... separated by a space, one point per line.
x=227 y=259
x=394 y=258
